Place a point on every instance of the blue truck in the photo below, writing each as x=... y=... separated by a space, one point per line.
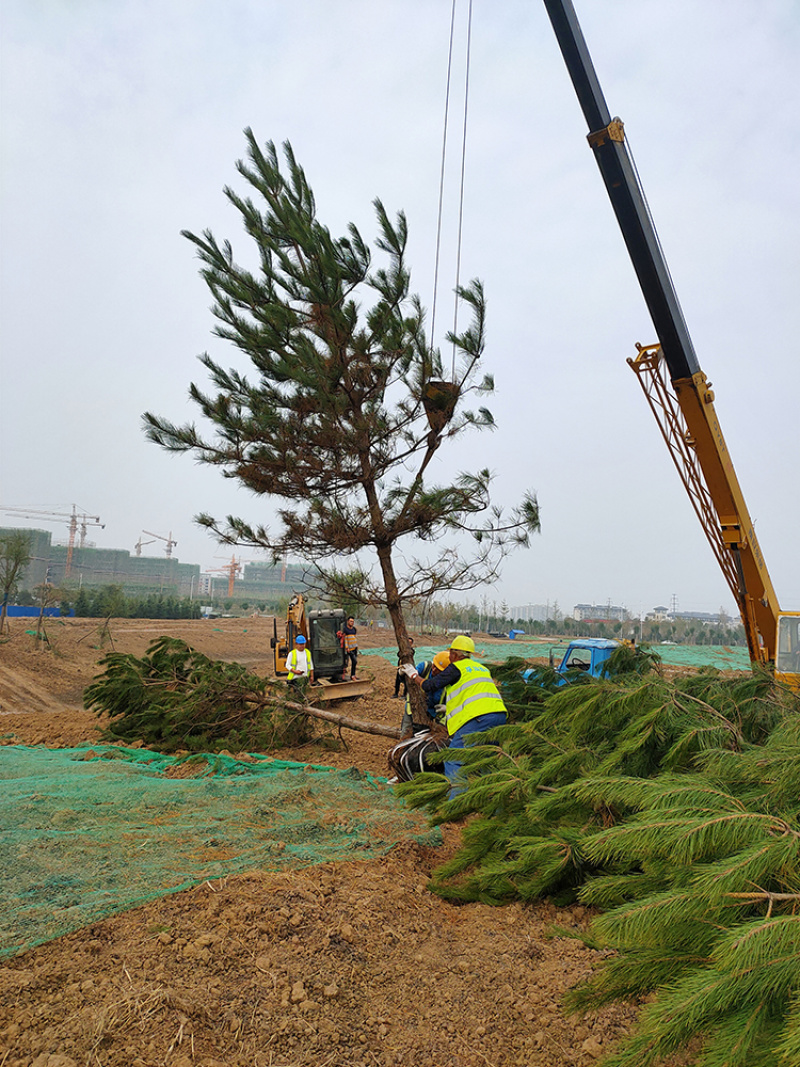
x=586 y=654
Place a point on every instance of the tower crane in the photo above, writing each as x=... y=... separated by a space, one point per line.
x=75 y=519
x=140 y=545
x=232 y=569
x=170 y=543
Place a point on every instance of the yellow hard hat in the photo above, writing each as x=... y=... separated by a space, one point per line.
x=462 y=643
x=441 y=660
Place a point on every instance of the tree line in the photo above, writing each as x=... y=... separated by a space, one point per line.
x=110 y=601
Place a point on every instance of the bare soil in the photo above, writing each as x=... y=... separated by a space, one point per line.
x=345 y=964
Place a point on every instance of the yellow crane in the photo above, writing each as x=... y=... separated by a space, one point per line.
x=676 y=388
x=232 y=569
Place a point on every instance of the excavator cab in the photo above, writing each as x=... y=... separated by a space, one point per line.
x=787 y=655
x=327 y=650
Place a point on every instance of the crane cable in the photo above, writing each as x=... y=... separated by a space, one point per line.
x=442 y=172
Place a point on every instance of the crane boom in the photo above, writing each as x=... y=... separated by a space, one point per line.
x=607 y=138
x=170 y=544
x=683 y=403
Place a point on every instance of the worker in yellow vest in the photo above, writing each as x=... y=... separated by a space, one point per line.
x=472 y=700
x=299 y=663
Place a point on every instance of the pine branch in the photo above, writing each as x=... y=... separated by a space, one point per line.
x=699 y=870
x=175 y=697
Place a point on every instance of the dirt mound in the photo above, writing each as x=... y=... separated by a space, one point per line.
x=20 y=692
x=347 y=964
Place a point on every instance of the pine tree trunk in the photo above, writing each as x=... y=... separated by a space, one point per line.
x=394 y=605
x=345 y=721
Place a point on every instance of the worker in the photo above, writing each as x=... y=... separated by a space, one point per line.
x=299 y=664
x=426 y=669
x=349 y=641
x=472 y=700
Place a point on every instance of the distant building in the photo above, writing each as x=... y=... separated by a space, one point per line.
x=205 y=584
x=599 y=613
x=659 y=614
x=260 y=580
x=535 y=612
x=708 y=618
x=88 y=568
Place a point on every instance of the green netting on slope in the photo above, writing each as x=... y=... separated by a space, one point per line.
x=734 y=658
x=93 y=830
x=721 y=656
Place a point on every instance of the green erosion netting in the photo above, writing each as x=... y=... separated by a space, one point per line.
x=720 y=656
x=93 y=830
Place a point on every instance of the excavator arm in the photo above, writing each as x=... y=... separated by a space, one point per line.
x=296 y=623
x=675 y=386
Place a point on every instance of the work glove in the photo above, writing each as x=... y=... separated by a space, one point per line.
x=409 y=670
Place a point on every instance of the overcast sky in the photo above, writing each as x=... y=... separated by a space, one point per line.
x=122 y=121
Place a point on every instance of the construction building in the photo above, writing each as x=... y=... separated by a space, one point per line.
x=85 y=566
x=599 y=613
x=90 y=567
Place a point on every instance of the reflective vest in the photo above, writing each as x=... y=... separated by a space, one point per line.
x=293 y=661
x=472 y=695
x=350 y=639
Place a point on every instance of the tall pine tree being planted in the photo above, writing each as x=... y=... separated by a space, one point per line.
x=344 y=404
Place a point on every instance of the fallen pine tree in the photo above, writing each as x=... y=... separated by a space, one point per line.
x=174 y=697
x=675 y=808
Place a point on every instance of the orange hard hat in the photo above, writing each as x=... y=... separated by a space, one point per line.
x=441 y=660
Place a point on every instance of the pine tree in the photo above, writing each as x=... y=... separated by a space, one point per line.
x=347 y=406
x=708 y=916
x=174 y=697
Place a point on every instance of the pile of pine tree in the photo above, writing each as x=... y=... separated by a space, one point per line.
x=174 y=697
x=673 y=806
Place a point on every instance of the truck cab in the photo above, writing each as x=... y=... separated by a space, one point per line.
x=327 y=650
x=585 y=654
x=787 y=655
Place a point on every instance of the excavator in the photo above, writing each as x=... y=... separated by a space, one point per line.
x=675 y=386
x=320 y=629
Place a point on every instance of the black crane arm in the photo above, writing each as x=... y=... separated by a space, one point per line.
x=607 y=139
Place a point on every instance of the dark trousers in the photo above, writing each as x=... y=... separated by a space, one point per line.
x=353 y=657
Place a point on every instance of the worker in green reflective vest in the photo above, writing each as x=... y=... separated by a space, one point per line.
x=472 y=700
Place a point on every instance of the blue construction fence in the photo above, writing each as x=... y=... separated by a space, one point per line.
x=19 y=611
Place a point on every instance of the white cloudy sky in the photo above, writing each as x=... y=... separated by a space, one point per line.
x=121 y=122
